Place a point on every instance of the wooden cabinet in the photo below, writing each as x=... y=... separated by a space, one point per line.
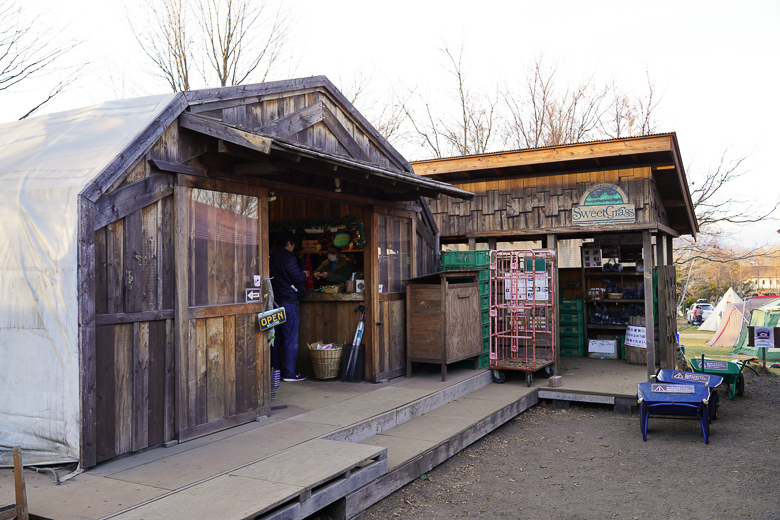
x=443 y=319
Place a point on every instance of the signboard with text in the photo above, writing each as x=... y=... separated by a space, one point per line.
x=603 y=204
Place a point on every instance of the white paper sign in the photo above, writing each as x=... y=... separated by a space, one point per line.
x=635 y=337
x=603 y=346
x=765 y=337
x=521 y=289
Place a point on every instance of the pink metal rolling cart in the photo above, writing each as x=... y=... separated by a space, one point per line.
x=522 y=319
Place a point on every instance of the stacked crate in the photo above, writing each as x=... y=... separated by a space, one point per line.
x=572 y=328
x=480 y=261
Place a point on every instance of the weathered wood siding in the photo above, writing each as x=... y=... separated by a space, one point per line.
x=312 y=119
x=134 y=336
x=226 y=367
x=540 y=202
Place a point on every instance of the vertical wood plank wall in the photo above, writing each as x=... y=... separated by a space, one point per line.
x=134 y=336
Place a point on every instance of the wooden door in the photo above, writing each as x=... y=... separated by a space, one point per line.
x=393 y=238
x=222 y=355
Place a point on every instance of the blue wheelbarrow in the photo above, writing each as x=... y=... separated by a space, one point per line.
x=730 y=371
x=679 y=377
x=671 y=399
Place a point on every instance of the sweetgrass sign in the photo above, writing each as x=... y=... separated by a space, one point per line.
x=603 y=204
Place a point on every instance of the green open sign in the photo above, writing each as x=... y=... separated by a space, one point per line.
x=271 y=318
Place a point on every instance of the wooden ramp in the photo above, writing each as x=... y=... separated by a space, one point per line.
x=289 y=485
x=423 y=443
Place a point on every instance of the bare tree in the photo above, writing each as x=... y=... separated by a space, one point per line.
x=544 y=113
x=630 y=115
x=226 y=42
x=242 y=38
x=163 y=35
x=385 y=112
x=461 y=121
x=30 y=50
x=541 y=113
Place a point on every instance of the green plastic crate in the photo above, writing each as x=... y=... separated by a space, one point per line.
x=571 y=306
x=540 y=264
x=465 y=259
x=572 y=341
x=484 y=303
x=482 y=362
x=485 y=330
x=485 y=316
x=485 y=345
x=573 y=351
x=484 y=275
x=572 y=329
x=572 y=319
x=484 y=288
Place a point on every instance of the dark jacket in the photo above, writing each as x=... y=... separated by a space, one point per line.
x=286 y=276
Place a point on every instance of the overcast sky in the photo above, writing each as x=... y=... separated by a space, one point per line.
x=716 y=62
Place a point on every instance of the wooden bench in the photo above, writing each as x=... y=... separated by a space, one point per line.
x=19 y=509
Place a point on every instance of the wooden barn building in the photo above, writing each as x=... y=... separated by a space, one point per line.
x=133 y=233
x=610 y=208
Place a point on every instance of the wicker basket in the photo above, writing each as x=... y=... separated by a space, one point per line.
x=326 y=362
x=333 y=289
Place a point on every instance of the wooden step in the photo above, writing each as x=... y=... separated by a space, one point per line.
x=291 y=484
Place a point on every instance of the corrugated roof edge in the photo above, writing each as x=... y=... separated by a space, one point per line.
x=513 y=150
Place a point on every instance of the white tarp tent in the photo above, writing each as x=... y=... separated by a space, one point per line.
x=45 y=162
x=713 y=321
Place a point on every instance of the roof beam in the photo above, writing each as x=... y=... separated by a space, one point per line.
x=291 y=124
x=218 y=129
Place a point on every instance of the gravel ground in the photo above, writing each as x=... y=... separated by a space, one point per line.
x=589 y=463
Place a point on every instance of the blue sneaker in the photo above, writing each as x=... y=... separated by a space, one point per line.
x=295 y=376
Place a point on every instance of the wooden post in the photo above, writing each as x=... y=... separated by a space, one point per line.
x=666 y=354
x=647 y=254
x=472 y=244
x=371 y=275
x=181 y=341
x=87 y=332
x=552 y=243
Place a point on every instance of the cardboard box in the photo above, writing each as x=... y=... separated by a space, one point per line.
x=602 y=349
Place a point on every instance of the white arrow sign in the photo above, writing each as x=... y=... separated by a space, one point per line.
x=252 y=295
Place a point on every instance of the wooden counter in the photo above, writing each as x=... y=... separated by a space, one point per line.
x=333 y=297
x=331 y=318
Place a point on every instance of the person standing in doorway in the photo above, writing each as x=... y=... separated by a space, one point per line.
x=287 y=280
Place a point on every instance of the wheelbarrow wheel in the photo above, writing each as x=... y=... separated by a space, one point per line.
x=739 y=386
x=529 y=377
x=714 y=402
x=498 y=376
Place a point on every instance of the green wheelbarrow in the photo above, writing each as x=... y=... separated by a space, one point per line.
x=730 y=371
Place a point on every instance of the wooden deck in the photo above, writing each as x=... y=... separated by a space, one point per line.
x=343 y=446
